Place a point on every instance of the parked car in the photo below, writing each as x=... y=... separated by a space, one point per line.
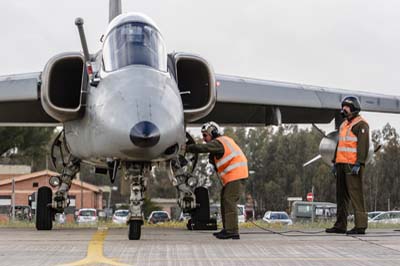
x=390 y=217
x=156 y=217
x=184 y=217
x=22 y=213
x=86 y=216
x=373 y=214
x=277 y=217
x=120 y=216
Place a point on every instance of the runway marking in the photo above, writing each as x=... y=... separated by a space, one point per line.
x=95 y=252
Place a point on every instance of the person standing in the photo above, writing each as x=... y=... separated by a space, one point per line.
x=231 y=165
x=348 y=167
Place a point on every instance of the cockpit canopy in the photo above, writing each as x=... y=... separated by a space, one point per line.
x=134 y=43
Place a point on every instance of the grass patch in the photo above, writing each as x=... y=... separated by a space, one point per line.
x=319 y=225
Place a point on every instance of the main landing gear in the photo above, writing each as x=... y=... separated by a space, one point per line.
x=191 y=184
x=47 y=203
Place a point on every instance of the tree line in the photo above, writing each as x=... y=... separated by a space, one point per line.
x=276 y=157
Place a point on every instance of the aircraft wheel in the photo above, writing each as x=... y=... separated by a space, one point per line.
x=44 y=214
x=135 y=228
x=202 y=212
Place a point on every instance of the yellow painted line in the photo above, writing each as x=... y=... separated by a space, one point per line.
x=95 y=252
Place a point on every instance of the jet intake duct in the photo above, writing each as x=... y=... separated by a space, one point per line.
x=64 y=84
x=196 y=82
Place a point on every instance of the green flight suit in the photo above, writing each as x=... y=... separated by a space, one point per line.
x=349 y=187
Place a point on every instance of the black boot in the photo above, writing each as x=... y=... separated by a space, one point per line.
x=227 y=235
x=219 y=232
x=356 y=231
x=335 y=230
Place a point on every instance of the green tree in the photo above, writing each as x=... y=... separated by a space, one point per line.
x=25 y=145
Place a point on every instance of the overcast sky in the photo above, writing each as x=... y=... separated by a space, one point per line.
x=348 y=44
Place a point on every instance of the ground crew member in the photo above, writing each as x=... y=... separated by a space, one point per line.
x=348 y=167
x=231 y=165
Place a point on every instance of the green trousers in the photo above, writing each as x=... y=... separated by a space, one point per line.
x=349 y=188
x=230 y=195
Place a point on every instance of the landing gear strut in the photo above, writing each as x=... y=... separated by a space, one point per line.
x=47 y=203
x=60 y=199
x=136 y=175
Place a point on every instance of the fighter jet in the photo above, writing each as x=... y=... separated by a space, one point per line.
x=126 y=108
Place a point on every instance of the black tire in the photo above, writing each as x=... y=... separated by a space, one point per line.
x=44 y=213
x=135 y=229
x=202 y=212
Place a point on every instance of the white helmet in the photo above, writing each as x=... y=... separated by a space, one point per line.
x=211 y=128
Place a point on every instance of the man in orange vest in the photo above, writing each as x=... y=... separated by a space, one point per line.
x=231 y=165
x=348 y=167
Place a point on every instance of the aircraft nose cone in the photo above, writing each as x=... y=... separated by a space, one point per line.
x=145 y=134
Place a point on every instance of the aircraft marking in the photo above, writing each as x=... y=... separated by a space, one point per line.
x=95 y=252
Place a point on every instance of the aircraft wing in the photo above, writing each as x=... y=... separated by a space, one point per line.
x=245 y=101
x=20 y=101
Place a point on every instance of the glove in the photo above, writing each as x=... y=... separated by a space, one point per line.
x=333 y=169
x=356 y=169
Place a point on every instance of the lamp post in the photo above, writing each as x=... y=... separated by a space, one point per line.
x=112 y=188
x=252 y=172
x=253 y=194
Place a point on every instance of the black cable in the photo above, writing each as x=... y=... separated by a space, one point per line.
x=283 y=233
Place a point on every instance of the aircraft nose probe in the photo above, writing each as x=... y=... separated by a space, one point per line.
x=144 y=134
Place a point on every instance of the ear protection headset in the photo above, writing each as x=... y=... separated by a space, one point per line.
x=211 y=128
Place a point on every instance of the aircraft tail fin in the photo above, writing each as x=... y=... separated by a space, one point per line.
x=115 y=9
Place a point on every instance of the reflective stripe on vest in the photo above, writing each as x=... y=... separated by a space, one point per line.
x=347 y=145
x=233 y=164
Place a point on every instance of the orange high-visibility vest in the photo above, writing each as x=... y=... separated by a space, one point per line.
x=347 y=145
x=233 y=164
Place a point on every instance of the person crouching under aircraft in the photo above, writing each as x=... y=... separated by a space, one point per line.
x=231 y=165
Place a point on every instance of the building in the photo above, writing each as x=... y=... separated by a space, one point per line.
x=81 y=194
x=12 y=170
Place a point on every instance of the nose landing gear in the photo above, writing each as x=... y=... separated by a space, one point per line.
x=137 y=175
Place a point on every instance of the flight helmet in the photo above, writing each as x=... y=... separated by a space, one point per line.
x=211 y=128
x=353 y=103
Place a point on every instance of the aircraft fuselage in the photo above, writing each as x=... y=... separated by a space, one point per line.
x=122 y=100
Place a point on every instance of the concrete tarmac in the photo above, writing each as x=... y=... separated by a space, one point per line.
x=170 y=246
